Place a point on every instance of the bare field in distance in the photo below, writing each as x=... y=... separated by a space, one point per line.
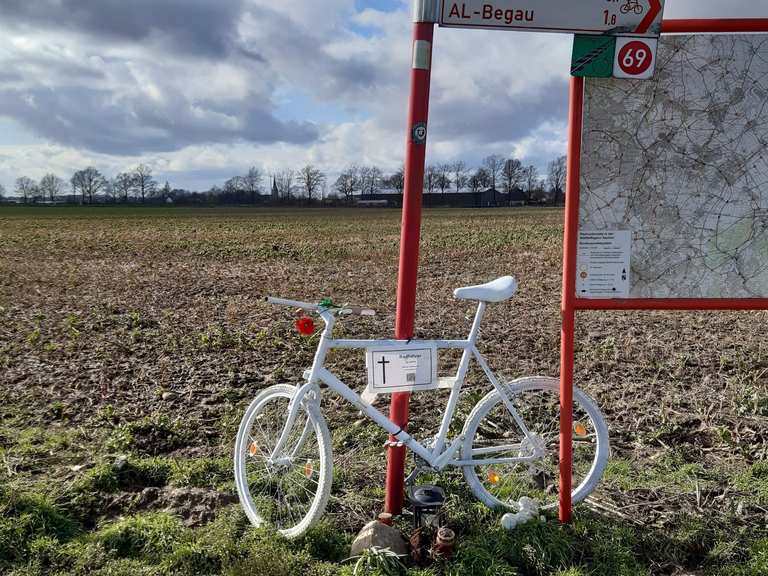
x=132 y=339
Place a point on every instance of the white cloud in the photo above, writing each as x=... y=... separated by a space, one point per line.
x=198 y=113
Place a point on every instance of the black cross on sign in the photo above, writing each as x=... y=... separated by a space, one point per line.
x=383 y=363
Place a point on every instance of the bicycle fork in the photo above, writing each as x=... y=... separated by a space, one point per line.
x=307 y=398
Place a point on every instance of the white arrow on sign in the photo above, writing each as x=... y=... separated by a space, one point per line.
x=635 y=17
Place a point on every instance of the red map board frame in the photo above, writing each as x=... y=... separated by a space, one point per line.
x=570 y=303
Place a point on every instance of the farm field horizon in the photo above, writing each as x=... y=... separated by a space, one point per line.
x=132 y=339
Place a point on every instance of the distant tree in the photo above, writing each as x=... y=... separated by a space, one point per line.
x=51 y=186
x=284 y=181
x=212 y=196
x=2 y=191
x=530 y=181
x=370 y=180
x=396 y=181
x=109 y=190
x=235 y=186
x=443 y=181
x=252 y=183
x=144 y=184
x=512 y=174
x=122 y=184
x=26 y=188
x=89 y=183
x=556 y=178
x=479 y=180
x=459 y=172
x=540 y=191
x=311 y=180
x=348 y=183
x=430 y=178
x=494 y=164
x=166 y=192
x=363 y=175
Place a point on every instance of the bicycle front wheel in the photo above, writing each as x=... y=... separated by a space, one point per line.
x=492 y=433
x=288 y=490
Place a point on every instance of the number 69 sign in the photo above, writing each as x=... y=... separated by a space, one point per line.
x=635 y=58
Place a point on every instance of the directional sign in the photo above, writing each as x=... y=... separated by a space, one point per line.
x=629 y=17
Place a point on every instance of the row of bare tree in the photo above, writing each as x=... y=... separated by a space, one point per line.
x=89 y=183
x=310 y=183
x=496 y=173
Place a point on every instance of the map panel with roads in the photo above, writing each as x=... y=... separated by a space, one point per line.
x=681 y=161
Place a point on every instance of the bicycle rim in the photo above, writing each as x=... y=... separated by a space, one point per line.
x=538 y=402
x=288 y=491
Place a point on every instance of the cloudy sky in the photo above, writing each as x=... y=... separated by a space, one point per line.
x=202 y=89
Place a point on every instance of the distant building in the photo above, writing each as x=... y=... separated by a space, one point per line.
x=516 y=198
x=372 y=203
x=489 y=198
x=275 y=190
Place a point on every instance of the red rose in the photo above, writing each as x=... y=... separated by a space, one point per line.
x=305 y=326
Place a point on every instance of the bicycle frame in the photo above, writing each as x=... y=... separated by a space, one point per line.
x=439 y=455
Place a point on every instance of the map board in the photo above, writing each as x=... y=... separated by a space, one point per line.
x=681 y=162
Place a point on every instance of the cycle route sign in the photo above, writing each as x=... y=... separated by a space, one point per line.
x=602 y=17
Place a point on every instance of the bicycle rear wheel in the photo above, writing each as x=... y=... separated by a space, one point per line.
x=490 y=428
x=288 y=491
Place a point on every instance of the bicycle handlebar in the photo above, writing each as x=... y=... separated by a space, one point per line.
x=293 y=303
x=342 y=310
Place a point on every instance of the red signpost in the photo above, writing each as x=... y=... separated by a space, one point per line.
x=416 y=150
x=425 y=17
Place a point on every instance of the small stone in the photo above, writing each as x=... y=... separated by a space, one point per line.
x=169 y=396
x=211 y=400
x=120 y=462
x=380 y=535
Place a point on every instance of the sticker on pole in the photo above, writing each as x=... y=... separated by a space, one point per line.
x=603 y=264
x=419 y=133
x=635 y=58
x=401 y=368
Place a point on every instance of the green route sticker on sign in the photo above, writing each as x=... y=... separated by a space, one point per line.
x=593 y=56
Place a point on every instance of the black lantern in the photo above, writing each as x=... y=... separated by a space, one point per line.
x=427 y=502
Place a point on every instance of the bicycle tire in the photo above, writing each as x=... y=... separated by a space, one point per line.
x=256 y=512
x=517 y=388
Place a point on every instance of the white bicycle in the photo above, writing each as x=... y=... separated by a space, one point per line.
x=508 y=448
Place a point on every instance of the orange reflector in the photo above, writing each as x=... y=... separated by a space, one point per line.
x=308 y=469
x=580 y=429
x=253 y=449
x=493 y=477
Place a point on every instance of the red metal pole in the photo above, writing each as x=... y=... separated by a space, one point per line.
x=573 y=188
x=684 y=304
x=418 y=114
x=715 y=26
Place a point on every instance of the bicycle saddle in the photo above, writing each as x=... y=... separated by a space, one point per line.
x=499 y=290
